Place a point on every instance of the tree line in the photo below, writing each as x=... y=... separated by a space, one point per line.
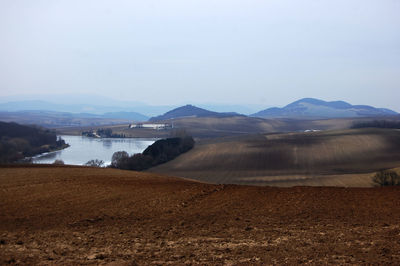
x=377 y=124
x=20 y=141
x=159 y=152
x=103 y=133
x=386 y=178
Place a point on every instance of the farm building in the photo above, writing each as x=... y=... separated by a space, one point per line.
x=151 y=126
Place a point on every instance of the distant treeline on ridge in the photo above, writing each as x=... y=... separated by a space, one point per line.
x=377 y=124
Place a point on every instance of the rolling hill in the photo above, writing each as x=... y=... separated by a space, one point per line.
x=344 y=158
x=212 y=127
x=314 y=108
x=191 y=111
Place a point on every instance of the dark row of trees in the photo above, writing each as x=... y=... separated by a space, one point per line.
x=377 y=124
x=386 y=178
x=19 y=141
x=159 y=152
x=103 y=133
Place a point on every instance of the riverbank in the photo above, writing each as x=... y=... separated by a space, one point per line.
x=31 y=158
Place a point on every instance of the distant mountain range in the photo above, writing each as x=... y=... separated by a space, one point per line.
x=191 y=111
x=64 y=119
x=99 y=105
x=81 y=114
x=83 y=108
x=309 y=108
x=134 y=116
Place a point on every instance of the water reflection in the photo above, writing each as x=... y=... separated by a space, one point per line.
x=50 y=155
x=107 y=143
x=82 y=149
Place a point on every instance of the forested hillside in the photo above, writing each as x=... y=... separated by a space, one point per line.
x=19 y=141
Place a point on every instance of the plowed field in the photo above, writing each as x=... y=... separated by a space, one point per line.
x=78 y=215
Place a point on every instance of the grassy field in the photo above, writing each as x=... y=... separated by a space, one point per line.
x=332 y=158
x=79 y=215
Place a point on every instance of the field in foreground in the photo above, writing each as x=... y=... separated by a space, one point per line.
x=325 y=158
x=77 y=215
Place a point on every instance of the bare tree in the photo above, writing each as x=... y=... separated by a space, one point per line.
x=119 y=159
x=59 y=162
x=386 y=178
x=95 y=163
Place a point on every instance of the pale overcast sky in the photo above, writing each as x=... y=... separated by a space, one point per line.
x=187 y=51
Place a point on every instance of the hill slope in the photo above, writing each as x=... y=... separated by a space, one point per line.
x=211 y=127
x=314 y=108
x=190 y=111
x=76 y=215
x=316 y=158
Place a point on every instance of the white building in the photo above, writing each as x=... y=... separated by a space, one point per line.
x=151 y=126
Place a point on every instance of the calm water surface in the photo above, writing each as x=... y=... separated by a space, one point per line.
x=83 y=149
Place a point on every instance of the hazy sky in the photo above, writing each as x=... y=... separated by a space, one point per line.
x=219 y=51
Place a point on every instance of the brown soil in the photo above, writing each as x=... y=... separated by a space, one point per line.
x=326 y=158
x=78 y=215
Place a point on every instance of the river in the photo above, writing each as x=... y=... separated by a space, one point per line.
x=82 y=149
